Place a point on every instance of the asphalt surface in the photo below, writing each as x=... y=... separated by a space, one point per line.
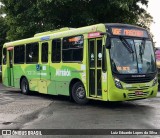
x=38 y=111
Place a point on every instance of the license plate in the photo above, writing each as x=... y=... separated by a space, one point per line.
x=138 y=93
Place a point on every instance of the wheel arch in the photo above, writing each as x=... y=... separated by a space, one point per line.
x=21 y=80
x=72 y=82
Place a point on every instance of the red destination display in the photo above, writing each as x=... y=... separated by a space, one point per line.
x=129 y=32
x=94 y=34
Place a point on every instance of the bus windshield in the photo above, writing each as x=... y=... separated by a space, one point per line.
x=132 y=56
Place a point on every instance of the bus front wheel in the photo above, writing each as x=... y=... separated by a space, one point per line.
x=79 y=93
x=25 y=86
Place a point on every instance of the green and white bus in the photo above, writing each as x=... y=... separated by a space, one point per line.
x=107 y=62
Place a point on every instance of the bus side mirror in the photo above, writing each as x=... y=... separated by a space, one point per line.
x=104 y=60
x=108 y=40
x=108 y=43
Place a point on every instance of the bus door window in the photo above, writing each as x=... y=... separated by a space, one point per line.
x=10 y=59
x=99 y=53
x=4 y=56
x=99 y=67
x=95 y=67
x=10 y=51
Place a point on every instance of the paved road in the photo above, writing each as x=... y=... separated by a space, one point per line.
x=37 y=111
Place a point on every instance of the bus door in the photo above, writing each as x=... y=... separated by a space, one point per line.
x=95 y=67
x=44 y=68
x=10 y=66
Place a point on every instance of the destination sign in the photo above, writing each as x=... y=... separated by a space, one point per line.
x=10 y=48
x=94 y=35
x=74 y=39
x=129 y=32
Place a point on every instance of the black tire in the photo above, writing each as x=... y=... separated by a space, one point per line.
x=25 y=86
x=79 y=93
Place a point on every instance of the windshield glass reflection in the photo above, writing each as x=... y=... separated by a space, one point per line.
x=132 y=56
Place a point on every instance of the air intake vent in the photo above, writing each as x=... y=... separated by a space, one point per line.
x=136 y=80
x=138 y=88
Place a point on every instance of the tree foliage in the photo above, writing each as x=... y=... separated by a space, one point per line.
x=27 y=17
x=3 y=30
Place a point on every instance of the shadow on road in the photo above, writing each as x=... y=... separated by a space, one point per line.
x=67 y=101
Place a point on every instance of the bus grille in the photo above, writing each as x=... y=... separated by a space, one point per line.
x=138 y=88
x=133 y=95
x=137 y=80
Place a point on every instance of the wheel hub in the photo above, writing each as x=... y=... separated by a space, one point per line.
x=80 y=92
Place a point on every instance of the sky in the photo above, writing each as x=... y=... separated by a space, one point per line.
x=154 y=10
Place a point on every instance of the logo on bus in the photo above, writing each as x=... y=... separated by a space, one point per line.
x=64 y=72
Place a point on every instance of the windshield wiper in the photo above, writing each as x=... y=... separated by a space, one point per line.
x=126 y=44
x=141 y=49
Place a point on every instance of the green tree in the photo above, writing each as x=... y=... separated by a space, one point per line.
x=25 y=18
x=3 y=31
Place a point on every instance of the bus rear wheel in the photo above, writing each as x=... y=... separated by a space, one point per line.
x=79 y=93
x=25 y=86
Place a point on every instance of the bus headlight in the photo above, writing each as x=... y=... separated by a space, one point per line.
x=155 y=80
x=118 y=83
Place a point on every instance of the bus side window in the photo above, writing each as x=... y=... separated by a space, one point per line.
x=19 y=54
x=73 y=49
x=4 y=56
x=32 y=53
x=56 y=50
x=44 y=57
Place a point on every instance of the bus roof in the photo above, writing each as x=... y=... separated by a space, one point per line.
x=123 y=25
x=64 y=32
x=53 y=31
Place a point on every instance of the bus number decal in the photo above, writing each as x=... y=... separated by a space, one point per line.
x=30 y=73
x=64 y=72
x=83 y=67
x=123 y=68
x=104 y=77
x=45 y=38
x=43 y=67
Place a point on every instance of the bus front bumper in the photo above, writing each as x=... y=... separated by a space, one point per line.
x=116 y=94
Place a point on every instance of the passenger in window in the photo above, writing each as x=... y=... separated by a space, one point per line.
x=30 y=56
x=4 y=59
